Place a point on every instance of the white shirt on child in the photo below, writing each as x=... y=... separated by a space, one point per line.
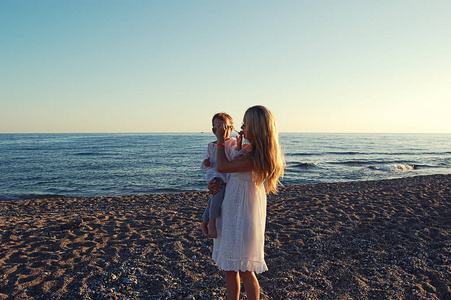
x=230 y=152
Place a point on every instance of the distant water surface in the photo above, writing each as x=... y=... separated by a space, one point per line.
x=84 y=165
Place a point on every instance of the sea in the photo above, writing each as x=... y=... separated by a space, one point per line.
x=117 y=164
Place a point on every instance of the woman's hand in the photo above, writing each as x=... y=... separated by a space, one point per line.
x=213 y=187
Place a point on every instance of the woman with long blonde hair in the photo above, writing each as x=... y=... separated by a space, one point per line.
x=239 y=246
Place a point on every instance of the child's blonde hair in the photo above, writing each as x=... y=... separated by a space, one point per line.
x=222 y=116
x=269 y=161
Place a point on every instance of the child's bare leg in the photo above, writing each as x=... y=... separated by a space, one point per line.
x=212 y=228
x=204 y=229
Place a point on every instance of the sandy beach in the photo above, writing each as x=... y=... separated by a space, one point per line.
x=387 y=239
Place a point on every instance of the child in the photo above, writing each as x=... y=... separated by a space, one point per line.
x=233 y=150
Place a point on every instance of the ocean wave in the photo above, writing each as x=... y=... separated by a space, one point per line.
x=303 y=165
x=355 y=162
x=369 y=153
x=324 y=153
x=86 y=154
x=344 y=153
x=301 y=154
x=394 y=168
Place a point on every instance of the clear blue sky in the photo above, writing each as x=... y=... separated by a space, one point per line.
x=168 y=66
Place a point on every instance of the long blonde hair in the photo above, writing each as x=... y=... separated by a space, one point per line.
x=269 y=161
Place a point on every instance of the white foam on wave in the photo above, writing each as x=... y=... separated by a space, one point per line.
x=395 y=168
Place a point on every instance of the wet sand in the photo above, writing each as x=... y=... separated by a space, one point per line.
x=387 y=239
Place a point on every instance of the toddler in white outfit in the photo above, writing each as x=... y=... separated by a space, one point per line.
x=232 y=150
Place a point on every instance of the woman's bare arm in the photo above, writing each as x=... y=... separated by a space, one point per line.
x=243 y=164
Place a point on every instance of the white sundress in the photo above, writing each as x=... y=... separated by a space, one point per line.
x=241 y=226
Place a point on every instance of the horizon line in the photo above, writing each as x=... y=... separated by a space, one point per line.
x=208 y=132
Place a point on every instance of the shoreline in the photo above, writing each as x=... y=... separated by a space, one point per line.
x=33 y=197
x=374 y=239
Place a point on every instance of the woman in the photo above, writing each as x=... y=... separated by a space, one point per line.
x=239 y=247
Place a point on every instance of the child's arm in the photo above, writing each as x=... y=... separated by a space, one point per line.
x=207 y=162
x=234 y=152
x=233 y=148
x=203 y=167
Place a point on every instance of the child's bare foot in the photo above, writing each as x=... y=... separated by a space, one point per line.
x=212 y=229
x=204 y=229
